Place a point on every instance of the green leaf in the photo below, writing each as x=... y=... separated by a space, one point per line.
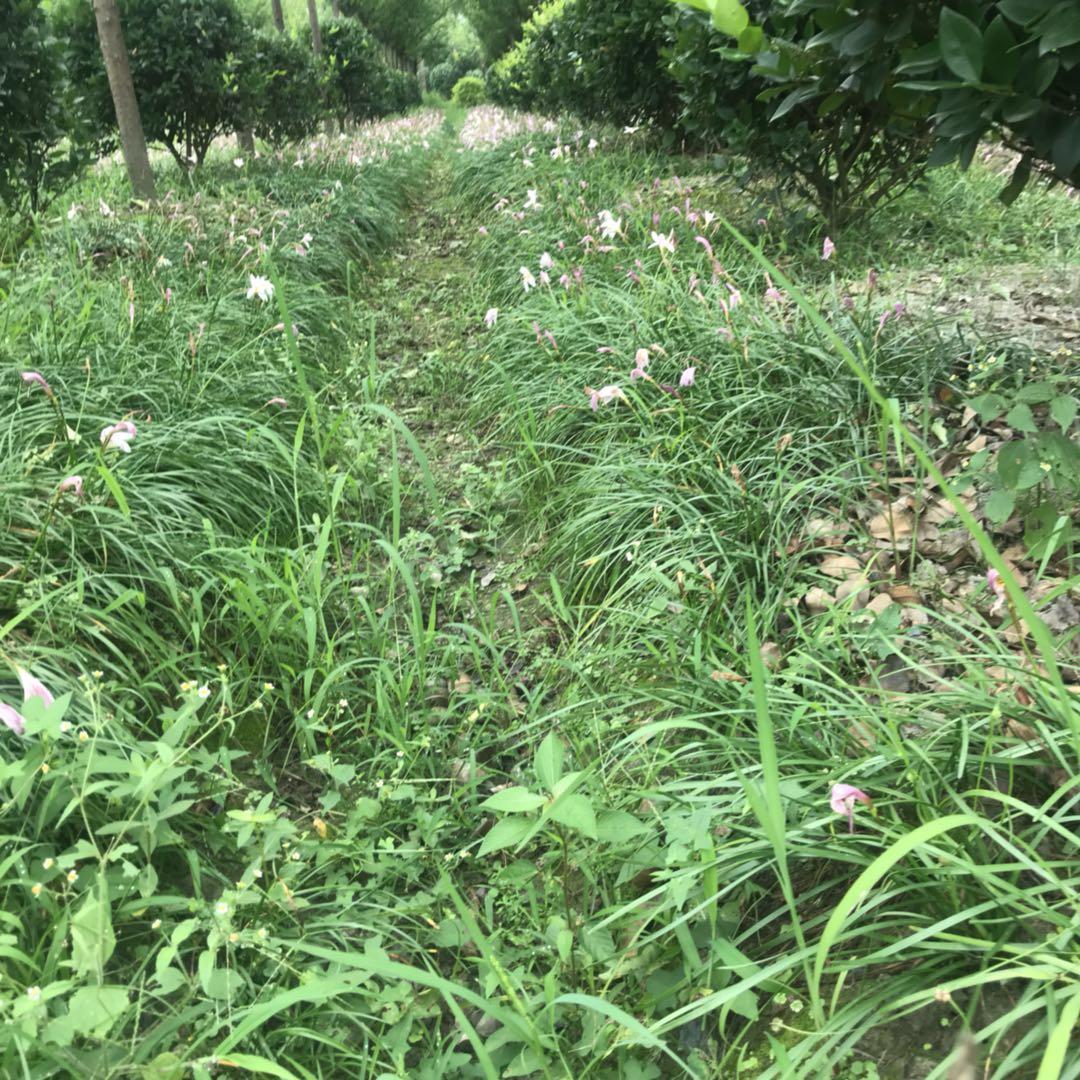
x=988 y=406
x=999 y=505
x=92 y=937
x=1060 y=28
x=113 y=485
x=617 y=827
x=509 y=832
x=1017 y=182
x=166 y=1066
x=1018 y=465
x=1036 y=393
x=961 y=45
x=548 y=762
x=93 y=1010
x=513 y=800
x=576 y=812
x=751 y=40
x=1063 y=411
x=1022 y=12
x=1022 y=418
x=729 y=17
x=1053 y=1061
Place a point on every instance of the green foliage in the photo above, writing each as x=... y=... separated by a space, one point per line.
x=39 y=154
x=189 y=63
x=468 y=91
x=497 y=22
x=1009 y=68
x=402 y=26
x=442 y=78
x=287 y=94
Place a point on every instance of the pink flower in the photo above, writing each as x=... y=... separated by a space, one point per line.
x=168 y=297
x=871 y=278
x=705 y=244
x=527 y=280
x=843 y=798
x=641 y=358
x=492 y=316
x=687 y=377
x=482 y=230
x=551 y=337
x=118 y=436
x=73 y=484
x=545 y=278
x=12 y=718
x=827 y=249
x=997 y=587
x=31 y=688
x=35 y=378
x=735 y=297
x=546 y=261
x=280 y=402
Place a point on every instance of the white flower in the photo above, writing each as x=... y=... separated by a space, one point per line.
x=664 y=243
x=593 y=144
x=531 y=200
x=527 y=280
x=609 y=225
x=629 y=130
x=33 y=993
x=221 y=908
x=260 y=288
x=546 y=262
x=492 y=316
x=238 y=162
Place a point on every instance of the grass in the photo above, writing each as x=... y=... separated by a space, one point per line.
x=437 y=724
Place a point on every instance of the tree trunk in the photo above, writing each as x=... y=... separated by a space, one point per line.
x=335 y=7
x=279 y=18
x=316 y=35
x=132 y=139
x=245 y=140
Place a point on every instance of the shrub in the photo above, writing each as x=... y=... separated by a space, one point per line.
x=188 y=65
x=469 y=90
x=360 y=83
x=287 y=92
x=36 y=114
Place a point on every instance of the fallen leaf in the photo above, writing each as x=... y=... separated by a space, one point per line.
x=904 y=594
x=840 y=566
x=818 y=600
x=880 y=603
x=770 y=655
x=726 y=676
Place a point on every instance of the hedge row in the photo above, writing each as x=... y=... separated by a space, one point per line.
x=846 y=102
x=199 y=71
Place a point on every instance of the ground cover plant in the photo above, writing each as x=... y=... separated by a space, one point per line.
x=485 y=594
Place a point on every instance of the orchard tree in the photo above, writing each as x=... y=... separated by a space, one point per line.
x=278 y=16
x=118 y=70
x=316 y=34
x=497 y=22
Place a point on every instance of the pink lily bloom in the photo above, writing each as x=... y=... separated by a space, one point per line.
x=545 y=278
x=35 y=378
x=168 y=297
x=280 y=402
x=843 y=798
x=482 y=230
x=118 y=436
x=997 y=587
x=641 y=358
x=828 y=248
x=546 y=261
x=492 y=316
x=687 y=377
x=31 y=688
x=74 y=484
x=705 y=244
x=527 y=280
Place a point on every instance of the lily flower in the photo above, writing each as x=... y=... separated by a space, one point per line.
x=31 y=688
x=843 y=798
x=546 y=261
x=532 y=201
x=603 y=396
x=118 y=436
x=828 y=248
x=664 y=243
x=997 y=587
x=280 y=402
x=687 y=377
x=74 y=484
x=35 y=378
x=260 y=288
x=492 y=316
x=527 y=280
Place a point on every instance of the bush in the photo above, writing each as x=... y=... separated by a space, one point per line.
x=361 y=84
x=468 y=91
x=443 y=77
x=288 y=98
x=190 y=65
x=36 y=114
